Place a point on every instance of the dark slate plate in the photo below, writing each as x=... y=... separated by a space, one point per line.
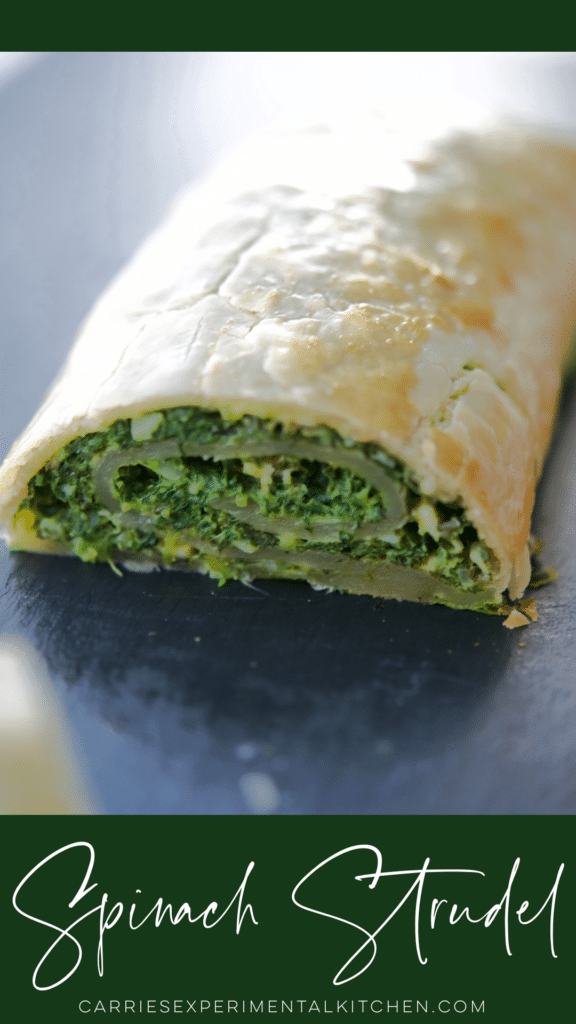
x=184 y=696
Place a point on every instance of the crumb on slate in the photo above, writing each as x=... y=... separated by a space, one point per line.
x=515 y=619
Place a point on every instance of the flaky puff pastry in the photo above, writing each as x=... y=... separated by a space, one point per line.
x=419 y=296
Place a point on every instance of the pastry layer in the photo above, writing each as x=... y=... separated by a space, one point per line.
x=421 y=303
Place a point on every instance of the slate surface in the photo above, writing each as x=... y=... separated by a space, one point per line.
x=182 y=694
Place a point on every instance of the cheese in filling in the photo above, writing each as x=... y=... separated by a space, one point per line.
x=252 y=498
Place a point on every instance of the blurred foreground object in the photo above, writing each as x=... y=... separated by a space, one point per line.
x=39 y=773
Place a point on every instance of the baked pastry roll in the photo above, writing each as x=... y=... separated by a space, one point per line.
x=337 y=360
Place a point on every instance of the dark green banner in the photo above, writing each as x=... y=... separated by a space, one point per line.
x=293 y=917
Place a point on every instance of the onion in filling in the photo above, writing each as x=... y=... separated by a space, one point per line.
x=252 y=498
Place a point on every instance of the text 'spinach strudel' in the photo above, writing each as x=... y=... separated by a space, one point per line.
x=333 y=362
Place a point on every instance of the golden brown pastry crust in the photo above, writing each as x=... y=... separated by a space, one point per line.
x=422 y=303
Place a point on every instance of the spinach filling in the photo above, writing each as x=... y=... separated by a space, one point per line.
x=245 y=498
